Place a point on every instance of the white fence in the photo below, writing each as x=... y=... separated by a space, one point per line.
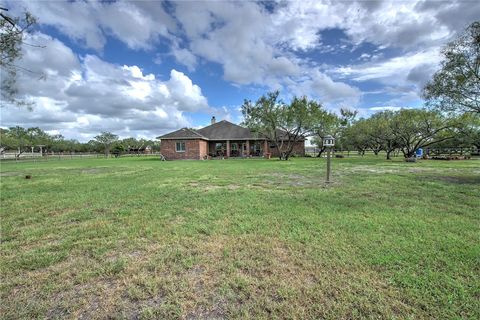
x=36 y=156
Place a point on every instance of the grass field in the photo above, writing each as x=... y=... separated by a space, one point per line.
x=140 y=238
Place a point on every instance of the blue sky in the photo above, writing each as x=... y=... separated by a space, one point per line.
x=145 y=68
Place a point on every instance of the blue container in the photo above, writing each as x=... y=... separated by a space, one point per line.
x=419 y=153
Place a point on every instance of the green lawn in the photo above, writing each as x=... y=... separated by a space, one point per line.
x=140 y=238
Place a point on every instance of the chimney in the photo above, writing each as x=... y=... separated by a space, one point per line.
x=213 y=120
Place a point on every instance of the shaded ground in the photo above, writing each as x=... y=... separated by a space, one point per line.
x=144 y=239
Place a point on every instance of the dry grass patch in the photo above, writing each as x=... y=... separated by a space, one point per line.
x=216 y=277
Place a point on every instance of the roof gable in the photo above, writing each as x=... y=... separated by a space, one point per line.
x=184 y=133
x=225 y=130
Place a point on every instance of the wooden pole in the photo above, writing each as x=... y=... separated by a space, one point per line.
x=328 y=165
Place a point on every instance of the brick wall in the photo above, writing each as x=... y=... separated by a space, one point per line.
x=298 y=149
x=194 y=149
x=203 y=149
x=198 y=149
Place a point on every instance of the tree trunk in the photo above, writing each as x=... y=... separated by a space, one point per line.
x=322 y=150
x=17 y=156
x=408 y=153
x=388 y=154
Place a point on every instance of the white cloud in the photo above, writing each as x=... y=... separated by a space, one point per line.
x=394 y=68
x=402 y=76
x=185 y=57
x=89 y=95
x=321 y=86
x=250 y=45
x=390 y=108
x=296 y=24
x=139 y=25
x=186 y=95
x=267 y=48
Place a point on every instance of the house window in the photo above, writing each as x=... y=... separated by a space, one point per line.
x=180 y=146
x=255 y=147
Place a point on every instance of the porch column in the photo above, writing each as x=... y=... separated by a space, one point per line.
x=228 y=148
x=247 y=143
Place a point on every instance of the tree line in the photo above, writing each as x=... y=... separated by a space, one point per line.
x=21 y=140
x=450 y=118
x=408 y=130
x=404 y=130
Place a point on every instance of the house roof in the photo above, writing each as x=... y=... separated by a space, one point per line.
x=222 y=130
x=184 y=133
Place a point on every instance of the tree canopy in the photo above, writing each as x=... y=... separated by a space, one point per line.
x=406 y=130
x=281 y=123
x=106 y=139
x=12 y=34
x=419 y=128
x=456 y=86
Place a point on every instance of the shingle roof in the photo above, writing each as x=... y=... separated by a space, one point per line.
x=184 y=133
x=224 y=130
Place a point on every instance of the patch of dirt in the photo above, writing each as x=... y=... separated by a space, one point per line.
x=10 y=174
x=280 y=180
x=474 y=180
x=370 y=169
x=94 y=170
x=211 y=187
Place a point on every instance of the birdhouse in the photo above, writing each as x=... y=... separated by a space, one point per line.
x=328 y=141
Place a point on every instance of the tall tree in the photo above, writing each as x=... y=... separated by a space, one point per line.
x=12 y=34
x=283 y=124
x=381 y=133
x=357 y=136
x=469 y=131
x=419 y=128
x=134 y=145
x=37 y=136
x=456 y=86
x=106 y=139
x=327 y=124
x=7 y=141
x=20 y=138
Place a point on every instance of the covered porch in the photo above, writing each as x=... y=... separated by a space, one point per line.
x=238 y=148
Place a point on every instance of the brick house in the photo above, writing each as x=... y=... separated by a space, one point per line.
x=219 y=139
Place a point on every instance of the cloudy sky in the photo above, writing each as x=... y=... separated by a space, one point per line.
x=145 y=68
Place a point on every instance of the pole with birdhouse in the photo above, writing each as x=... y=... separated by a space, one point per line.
x=328 y=142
